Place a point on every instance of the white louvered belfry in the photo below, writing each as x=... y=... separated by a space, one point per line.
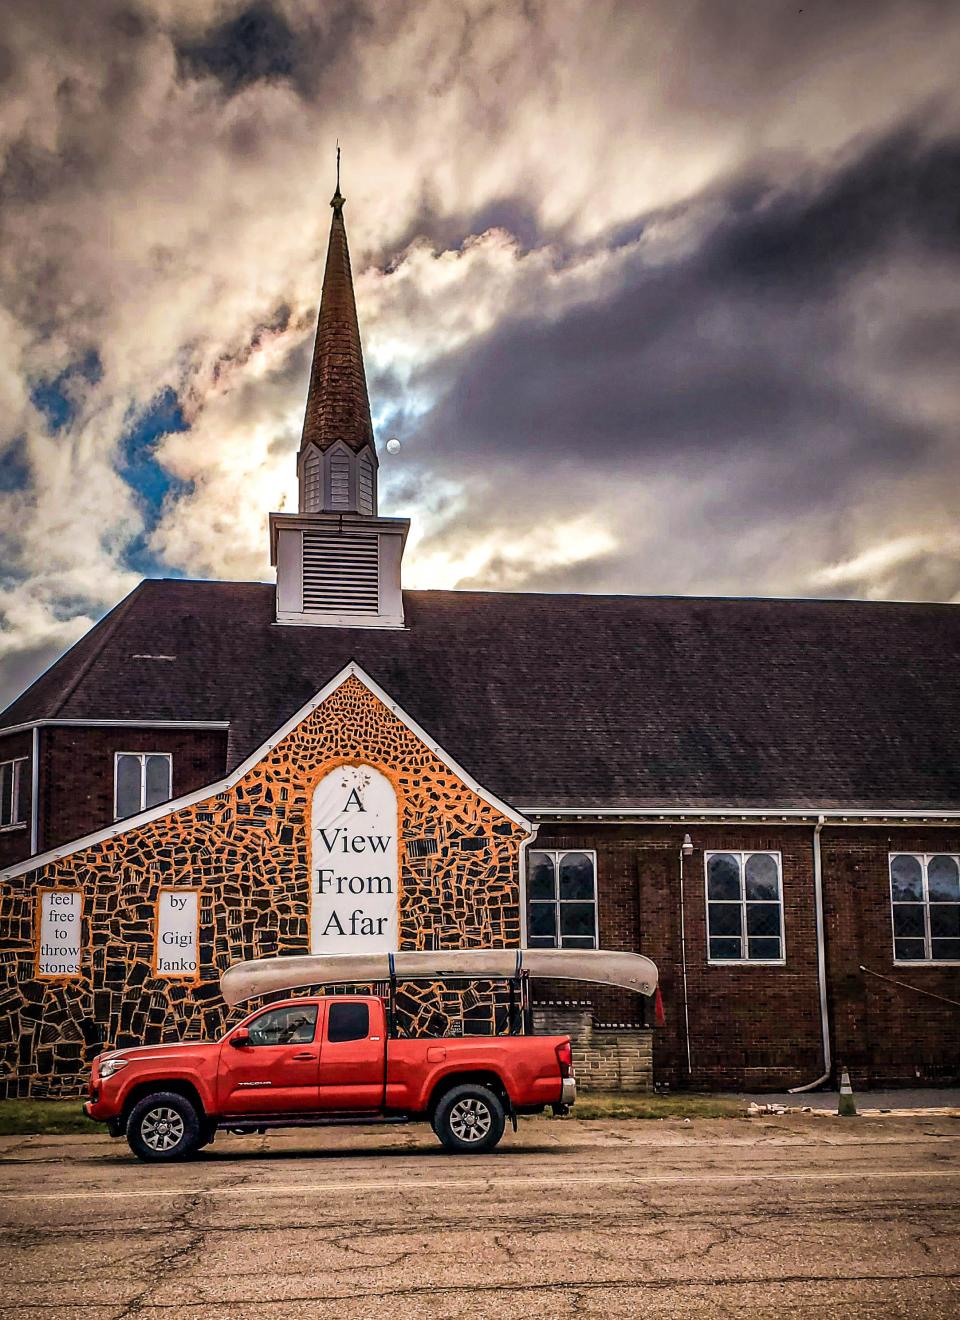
x=341 y=575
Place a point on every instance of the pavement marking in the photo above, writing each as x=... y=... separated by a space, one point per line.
x=490 y=1183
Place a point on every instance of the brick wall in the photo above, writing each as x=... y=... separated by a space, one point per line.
x=758 y=1028
x=753 y=1027
x=15 y=841
x=604 y=1058
x=76 y=772
x=884 y=1033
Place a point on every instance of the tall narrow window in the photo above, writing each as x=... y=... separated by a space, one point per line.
x=562 y=900
x=925 y=902
x=744 y=907
x=13 y=792
x=141 y=780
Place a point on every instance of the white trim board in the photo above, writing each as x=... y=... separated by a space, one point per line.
x=352 y=670
x=114 y=724
x=737 y=815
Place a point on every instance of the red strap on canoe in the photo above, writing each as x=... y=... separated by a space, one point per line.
x=661 y=1017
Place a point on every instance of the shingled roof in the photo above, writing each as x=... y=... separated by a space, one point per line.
x=338 y=407
x=568 y=700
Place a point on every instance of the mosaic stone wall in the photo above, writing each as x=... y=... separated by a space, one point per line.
x=246 y=850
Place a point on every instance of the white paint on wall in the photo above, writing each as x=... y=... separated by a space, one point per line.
x=354 y=873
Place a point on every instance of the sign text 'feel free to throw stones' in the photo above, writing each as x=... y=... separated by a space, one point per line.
x=60 y=933
x=354 y=873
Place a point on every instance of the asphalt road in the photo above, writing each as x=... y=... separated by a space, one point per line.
x=807 y=1216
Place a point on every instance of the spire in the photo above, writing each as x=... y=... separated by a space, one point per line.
x=337 y=404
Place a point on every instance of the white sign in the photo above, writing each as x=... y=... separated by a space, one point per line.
x=353 y=867
x=177 y=932
x=59 y=953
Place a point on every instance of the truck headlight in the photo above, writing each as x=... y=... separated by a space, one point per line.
x=111 y=1066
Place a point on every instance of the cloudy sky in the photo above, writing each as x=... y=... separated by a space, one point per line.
x=659 y=297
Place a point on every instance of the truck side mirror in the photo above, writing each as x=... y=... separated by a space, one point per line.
x=240 y=1039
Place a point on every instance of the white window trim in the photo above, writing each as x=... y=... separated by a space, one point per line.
x=168 y=756
x=742 y=854
x=18 y=762
x=556 y=854
x=923 y=859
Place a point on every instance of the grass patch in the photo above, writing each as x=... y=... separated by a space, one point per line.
x=63 y=1117
x=611 y=1104
x=52 y=1117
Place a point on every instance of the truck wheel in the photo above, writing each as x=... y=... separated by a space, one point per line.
x=163 y=1126
x=469 y=1119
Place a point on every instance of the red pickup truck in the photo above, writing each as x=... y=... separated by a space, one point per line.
x=317 y=1060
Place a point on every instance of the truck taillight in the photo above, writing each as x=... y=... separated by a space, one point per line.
x=565 y=1058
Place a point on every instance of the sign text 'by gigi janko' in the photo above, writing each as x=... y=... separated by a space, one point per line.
x=354 y=875
x=177 y=932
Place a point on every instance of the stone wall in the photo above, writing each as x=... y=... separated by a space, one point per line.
x=605 y=1058
x=246 y=850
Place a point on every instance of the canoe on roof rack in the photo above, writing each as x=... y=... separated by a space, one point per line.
x=261 y=976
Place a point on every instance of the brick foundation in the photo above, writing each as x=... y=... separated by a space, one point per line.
x=605 y=1058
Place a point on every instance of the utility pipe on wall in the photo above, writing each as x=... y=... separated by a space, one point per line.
x=686 y=849
x=821 y=965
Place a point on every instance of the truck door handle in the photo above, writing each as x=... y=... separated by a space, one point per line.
x=305 y=1055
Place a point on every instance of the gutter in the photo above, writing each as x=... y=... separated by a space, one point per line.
x=114 y=724
x=736 y=815
x=821 y=966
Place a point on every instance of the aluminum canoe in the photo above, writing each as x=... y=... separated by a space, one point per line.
x=261 y=976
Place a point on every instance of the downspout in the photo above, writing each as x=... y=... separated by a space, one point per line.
x=821 y=965
x=35 y=791
x=526 y=1007
x=686 y=848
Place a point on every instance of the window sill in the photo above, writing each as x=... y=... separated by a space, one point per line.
x=746 y=962
x=926 y=962
x=16 y=825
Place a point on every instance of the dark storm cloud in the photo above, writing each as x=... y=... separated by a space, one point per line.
x=257 y=43
x=735 y=346
x=635 y=327
x=261 y=43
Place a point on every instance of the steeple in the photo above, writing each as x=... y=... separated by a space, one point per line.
x=338 y=563
x=338 y=459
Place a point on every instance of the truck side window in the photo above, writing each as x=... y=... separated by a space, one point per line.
x=291 y=1025
x=348 y=1022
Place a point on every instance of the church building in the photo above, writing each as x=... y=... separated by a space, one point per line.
x=763 y=796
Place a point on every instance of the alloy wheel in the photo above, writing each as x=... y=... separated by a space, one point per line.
x=470 y=1120
x=161 y=1129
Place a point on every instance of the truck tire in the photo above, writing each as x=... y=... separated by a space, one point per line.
x=469 y=1119
x=164 y=1127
